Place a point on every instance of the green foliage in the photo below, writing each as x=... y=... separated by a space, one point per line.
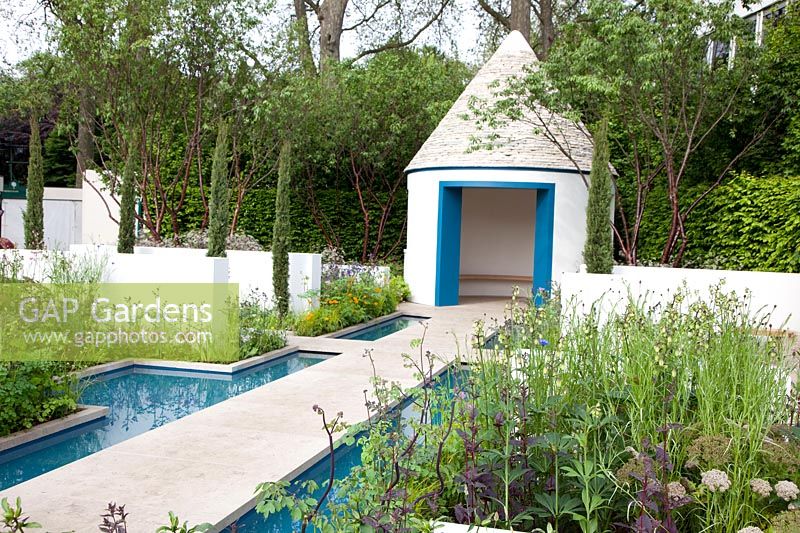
x=13 y=520
x=748 y=223
x=782 y=77
x=751 y=224
x=356 y=129
x=584 y=424
x=127 y=205
x=341 y=208
x=261 y=329
x=644 y=67
x=280 y=232
x=348 y=301
x=218 y=211
x=58 y=160
x=32 y=393
x=598 y=252
x=34 y=211
x=175 y=526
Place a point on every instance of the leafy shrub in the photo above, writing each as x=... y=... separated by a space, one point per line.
x=34 y=392
x=751 y=223
x=348 y=301
x=13 y=519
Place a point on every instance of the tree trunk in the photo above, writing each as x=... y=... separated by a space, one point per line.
x=85 y=154
x=547 y=29
x=303 y=39
x=672 y=191
x=331 y=21
x=520 y=19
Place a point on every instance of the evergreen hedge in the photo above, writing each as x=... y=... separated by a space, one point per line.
x=748 y=223
x=340 y=206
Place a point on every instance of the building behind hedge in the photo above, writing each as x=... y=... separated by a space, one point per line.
x=483 y=221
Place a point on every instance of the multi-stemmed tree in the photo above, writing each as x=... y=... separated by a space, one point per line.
x=648 y=67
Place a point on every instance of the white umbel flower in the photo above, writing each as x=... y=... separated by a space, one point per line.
x=715 y=480
x=761 y=487
x=786 y=490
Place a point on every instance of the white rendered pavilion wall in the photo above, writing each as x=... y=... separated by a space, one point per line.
x=498 y=232
x=569 y=224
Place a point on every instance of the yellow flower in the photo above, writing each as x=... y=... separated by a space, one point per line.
x=355 y=300
x=377 y=289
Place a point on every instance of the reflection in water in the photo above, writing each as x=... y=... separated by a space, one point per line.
x=138 y=401
x=378 y=331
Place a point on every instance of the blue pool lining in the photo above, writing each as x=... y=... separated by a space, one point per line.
x=352 y=330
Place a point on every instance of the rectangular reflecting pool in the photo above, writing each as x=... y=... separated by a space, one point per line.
x=383 y=329
x=140 y=398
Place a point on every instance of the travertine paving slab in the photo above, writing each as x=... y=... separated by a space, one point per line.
x=204 y=467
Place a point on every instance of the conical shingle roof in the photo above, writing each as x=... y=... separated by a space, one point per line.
x=516 y=143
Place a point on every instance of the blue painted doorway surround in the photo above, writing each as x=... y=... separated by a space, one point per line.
x=448 y=240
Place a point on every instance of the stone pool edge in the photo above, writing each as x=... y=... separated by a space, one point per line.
x=219 y=368
x=85 y=414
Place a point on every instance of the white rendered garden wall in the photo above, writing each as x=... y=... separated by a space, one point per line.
x=774 y=292
x=569 y=228
x=251 y=270
x=62 y=218
x=71 y=216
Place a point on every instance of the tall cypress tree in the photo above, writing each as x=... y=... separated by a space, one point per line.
x=280 y=230
x=218 y=208
x=127 y=205
x=34 y=212
x=598 y=253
